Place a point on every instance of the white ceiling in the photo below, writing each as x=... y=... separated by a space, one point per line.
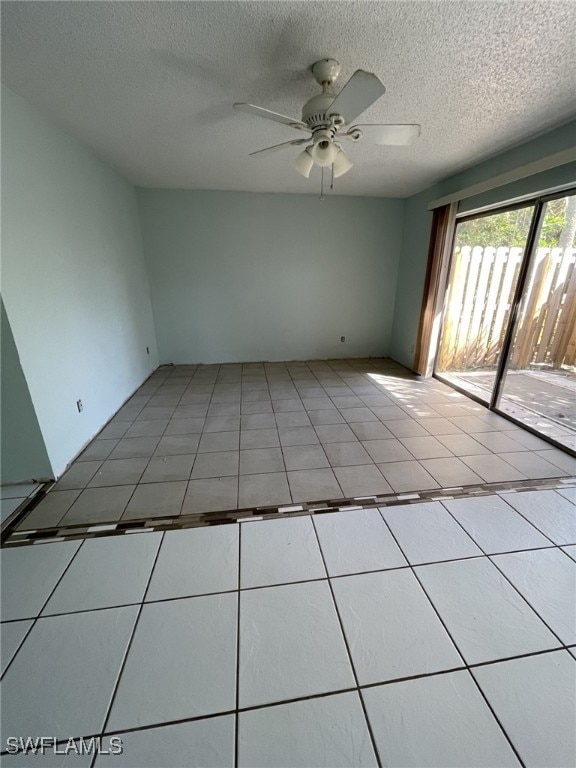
x=149 y=86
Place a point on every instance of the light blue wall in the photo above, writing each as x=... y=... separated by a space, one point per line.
x=23 y=454
x=418 y=220
x=74 y=281
x=248 y=277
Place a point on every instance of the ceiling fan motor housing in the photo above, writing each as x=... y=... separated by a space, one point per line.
x=316 y=112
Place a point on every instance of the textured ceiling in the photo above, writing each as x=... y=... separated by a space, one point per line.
x=149 y=86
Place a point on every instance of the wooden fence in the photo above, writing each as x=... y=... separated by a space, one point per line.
x=478 y=303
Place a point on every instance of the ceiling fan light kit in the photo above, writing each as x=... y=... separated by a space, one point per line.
x=326 y=118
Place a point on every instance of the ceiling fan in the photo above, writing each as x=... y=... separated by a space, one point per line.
x=327 y=118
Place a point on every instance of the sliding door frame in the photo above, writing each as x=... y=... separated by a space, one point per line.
x=446 y=255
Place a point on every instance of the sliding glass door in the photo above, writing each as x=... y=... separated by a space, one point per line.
x=538 y=385
x=483 y=277
x=509 y=322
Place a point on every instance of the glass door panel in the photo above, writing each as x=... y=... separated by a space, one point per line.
x=539 y=384
x=485 y=265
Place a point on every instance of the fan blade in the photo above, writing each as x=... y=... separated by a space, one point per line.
x=266 y=113
x=276 y=147
x=394 y=135
x=359 y=93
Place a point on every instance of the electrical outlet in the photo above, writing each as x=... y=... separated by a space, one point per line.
x=342 y=338
x=79 y=406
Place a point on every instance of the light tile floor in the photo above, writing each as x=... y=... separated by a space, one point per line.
x=197 y=439
x=426 y=634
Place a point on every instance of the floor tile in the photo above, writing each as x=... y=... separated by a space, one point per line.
x=317 y=403
x=182 y=662
x=258 y=406
x=259 y=438
x=370 y=430
x=403 y=427
x=44 y=690
x=389 y=610
x=29 y=574
x=356 y=541
x=212 y=442
x=291 y=644
x=11 y=635
x=279 y=552
x=305 y=457
x=450 y=472
x=167 y=468
x=119 y=472
x=191 y=411
x=156 y=500
x=346 y=454
x=211 y=495
x=560 y=459
x=499 y=442
x=426 y=447
x=549 y=511
x=492 y=469
x=438 y=426
x=321 y=418
x=361 y=480
x=97 y=450
x=150 y=412
x=337 y=433
x=354 y=415
x=259 y=460
x=388 y=413
x=427 y=533
x=205 y=743
x=287 y=405
x=216 y=464
x=184 y=427
x=547 y=580
x=534 y=699
x=171 y=445
x=152 y=428
x=259 y=421
x=50 y=510
x=330 y=731
x=494 y=525
x=222 y=424
x=297 y=436
x=471 y=424
x=484 y=614
x=99 y=505
x=293 y=419
x=387 y=450
x=436 y=721
x=463 y=445
x=533 y=466
x=106 y=572
x=196 y=561
x=135 y=447
x=78 y=476
x=224 y=409
x=407 y=476
x=314 y=485
x=263 y=489
x=347 y=401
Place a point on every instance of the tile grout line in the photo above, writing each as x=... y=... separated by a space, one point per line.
x=351 y=660
x=489 y=557
x=128 y=647
x=452 y=639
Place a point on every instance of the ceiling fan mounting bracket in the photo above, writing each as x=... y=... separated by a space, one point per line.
x=325 y=71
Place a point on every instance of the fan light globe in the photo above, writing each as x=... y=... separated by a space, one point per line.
x=303 y=163
x=342 y=164
x=323 y=153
